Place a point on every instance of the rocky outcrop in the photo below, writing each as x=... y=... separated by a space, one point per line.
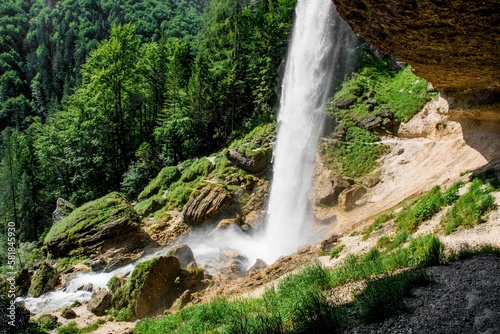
x=348 y=198
x=68 y=313
x=207 y=204
x=101 y=301
x=100 y=225
x=452 y=44
x=63 y=209
x=44 y=280
x=329 y=193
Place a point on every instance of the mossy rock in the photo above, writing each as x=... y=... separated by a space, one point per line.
x=93 y=224
x=44 y=280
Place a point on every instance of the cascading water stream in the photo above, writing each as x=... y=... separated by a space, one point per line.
x=319 y=56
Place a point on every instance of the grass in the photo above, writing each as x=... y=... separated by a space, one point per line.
x=72 y=328
x=90 y=215
x=335 y=252
x=253 y=143
x=358 y=155
x=470 y=209
x=162 y=181
x=300 y=302
x=425 y=207
x=377 y=224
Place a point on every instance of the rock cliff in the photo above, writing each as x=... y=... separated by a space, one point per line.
x=452 y=44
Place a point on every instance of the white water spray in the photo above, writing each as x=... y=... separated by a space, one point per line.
x=318 y=40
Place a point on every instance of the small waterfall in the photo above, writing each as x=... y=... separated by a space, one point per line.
x=317 y=50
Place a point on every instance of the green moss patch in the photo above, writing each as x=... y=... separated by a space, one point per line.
x=91 y=215
x=161 y=182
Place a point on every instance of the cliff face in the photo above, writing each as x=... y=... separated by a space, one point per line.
x=453 y=44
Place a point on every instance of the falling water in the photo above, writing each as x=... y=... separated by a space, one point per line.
x=317 y=50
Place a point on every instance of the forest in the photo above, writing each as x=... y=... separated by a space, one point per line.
x=98 y=96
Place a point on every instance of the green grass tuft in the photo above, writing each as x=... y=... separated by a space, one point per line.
x=470 y=209
x=161 y=182
x=377 y=224
x=335 y=252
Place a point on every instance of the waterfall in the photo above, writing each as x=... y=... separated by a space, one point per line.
x=317 y=53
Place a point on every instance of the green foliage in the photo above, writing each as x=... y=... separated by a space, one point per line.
x=201 y=167
x=469 y=209
x=72 y=328
x=358 y=155
x=425 y=207
x=92 y=214
x=260 y=137
x=123 y=314
x=335 y=252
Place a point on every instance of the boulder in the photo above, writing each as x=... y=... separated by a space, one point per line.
x=155 y=285
x=207 y=204
x=68 y=313
x=106 y=223
x=23 y=281
x=386 y=113
x=183 y=300
x=259 y=264
x=44 y=280
x=184 y=253
x=348 y=197
x=370 y=122
x=344 y=103
x=329 y=193
x=63 y=209
x=101 y=301
x=115 y=283
x=86 y=287
x=254 y=161
x=226 y=224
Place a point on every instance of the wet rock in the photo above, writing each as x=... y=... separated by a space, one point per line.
x=227 y=224
x=63 y=209
x=348 y=198
x=233 y=270
x=115 y=283
x=183 y=300
x=101 y=301
x=44 y=280
x=21 y=314
x=184 y=253
x=207 y=204
x=372 y=102
x=86 y=287
x=23 y=282
x=345 y=103
x=259 y=264
x=68 y=313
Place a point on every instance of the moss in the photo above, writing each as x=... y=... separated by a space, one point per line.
x=201 y=167
x=161 y=182
x=126 y=295
x=90 y=215
x=258 y=140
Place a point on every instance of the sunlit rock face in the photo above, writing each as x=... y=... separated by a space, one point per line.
x=454 y=44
